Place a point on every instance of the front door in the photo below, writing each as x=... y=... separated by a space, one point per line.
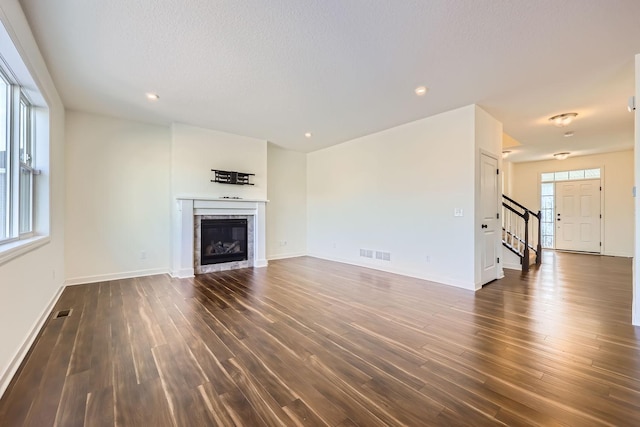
x=489 y=217
x=578 y=215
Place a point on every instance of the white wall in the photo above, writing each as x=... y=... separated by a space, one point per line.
x=30 y=283
x=488 y=141
x=507 y=177
x=396 y=191
x=195 y=151
x=636 y=260
x=118 y=198
x=617 y=177
x=287 y=207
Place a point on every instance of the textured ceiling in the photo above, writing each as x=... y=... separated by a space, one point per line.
x=275 y=69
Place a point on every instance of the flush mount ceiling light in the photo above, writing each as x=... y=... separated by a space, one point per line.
x=152 y=96
x=561 y=156
x=421 y=90
x=568 y=134
x=308 y=135
x=561 y=120
x=505 y=154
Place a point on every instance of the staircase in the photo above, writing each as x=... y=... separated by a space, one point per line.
x=521 y=232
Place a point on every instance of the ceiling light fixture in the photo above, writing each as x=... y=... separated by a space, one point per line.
x=152 y=96
x=505 y=154
x=561 y=156
x=568 y=134
x=307 y=135
x=421 y=90
x=561 y=120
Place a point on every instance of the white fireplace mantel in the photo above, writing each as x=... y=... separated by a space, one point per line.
x=187 y=208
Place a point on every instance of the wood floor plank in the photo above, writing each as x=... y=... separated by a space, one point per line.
x=73 y=401
x=100 y=408
x=312 y=342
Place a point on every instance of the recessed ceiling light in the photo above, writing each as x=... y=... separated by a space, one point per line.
x=561 y=120
x=568 y=134
x=307 y=135
x=421 y=90
x=152 y=96
x=561 y=156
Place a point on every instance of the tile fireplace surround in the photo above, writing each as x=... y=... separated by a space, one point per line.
x=184 y=244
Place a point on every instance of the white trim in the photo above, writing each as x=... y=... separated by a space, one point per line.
x=16 y=248
x=114 y=276
x=472 y=287
x=11 y=370
x=183 y=273
x=218 y=199
x=285 y=256
x=618 y=254
x=512 y=266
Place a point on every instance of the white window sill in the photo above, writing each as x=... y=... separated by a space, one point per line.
x=11 y=250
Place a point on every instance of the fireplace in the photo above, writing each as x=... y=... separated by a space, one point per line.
x=188 y=241
x=223 y=240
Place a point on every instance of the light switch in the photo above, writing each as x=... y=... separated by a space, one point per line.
x=457 y=212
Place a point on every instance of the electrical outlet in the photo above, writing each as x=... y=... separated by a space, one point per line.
x=143 y=254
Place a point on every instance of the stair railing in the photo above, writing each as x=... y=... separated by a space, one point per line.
x=521 y=234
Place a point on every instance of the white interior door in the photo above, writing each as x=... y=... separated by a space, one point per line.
x=578 y=215
x=489 y=228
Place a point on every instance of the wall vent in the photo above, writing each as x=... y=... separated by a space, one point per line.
x=383 y=256
x=367 y=253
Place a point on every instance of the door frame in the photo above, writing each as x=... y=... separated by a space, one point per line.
x=478 y=218
x=555 y=194
x=602 y=200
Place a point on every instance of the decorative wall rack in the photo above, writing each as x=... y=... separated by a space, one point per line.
x=228 y=177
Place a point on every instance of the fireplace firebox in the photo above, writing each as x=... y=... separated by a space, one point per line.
x=223 y=240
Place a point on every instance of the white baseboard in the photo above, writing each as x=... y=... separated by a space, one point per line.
x=114 y=276
x=618 y=254
x=184 y=273
x=416 y=275
x=7 y=375
x=260 y=263
x=285 y=256
x=512 y=266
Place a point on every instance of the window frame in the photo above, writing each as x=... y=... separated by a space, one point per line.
x=20 y=133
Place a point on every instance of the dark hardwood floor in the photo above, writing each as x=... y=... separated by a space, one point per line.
x=312 y=342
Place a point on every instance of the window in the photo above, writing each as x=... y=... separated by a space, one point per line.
x=546 y=210
x=16 y=161
x=570 y=175
x=25 y=152
x=4 y=157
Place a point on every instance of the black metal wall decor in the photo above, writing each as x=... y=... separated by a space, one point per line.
x=228 y=177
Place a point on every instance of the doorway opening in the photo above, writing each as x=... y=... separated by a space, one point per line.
x=570 y=207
